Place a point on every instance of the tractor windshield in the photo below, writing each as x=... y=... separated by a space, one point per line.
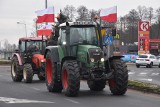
x=83 y=35
x=37 y=44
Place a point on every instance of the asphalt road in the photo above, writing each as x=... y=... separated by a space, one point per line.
x=149 y=75
x=20 y=94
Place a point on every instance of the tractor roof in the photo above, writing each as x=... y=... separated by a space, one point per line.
x=79 y=23
x=33 y=38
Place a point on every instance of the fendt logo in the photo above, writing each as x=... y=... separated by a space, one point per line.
x=144 y=26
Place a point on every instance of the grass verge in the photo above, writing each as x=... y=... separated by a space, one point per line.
x=144 y=87
x=5 y=62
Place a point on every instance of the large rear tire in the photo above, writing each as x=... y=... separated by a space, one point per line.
x=27 y=73
x=118 y=85
x=96 y=85
x=52 y=82
x=70 y=78
x=15 y=70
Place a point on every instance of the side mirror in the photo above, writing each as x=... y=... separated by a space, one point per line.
x=114 y=32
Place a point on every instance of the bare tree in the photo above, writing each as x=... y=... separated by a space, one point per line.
x=142 y=11
x=158 y=14
x=34 y=29
x=69 y=11
x=132 y=22
x=158 y=20
x=82 y=12
x=150 y=14
x=93 y=13
x=6 y=45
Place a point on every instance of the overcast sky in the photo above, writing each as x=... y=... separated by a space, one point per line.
x=13 y=11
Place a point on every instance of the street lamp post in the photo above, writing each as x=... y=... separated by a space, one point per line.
x=45 y=3
x=24 y=26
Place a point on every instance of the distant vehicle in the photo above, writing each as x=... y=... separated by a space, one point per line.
x=129 y=57
x=29 y=59
x=147 y=60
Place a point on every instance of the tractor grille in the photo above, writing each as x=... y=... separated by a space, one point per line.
x=95 y=53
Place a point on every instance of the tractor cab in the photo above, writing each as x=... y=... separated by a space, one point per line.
x=30 y=46
x=79 y=34
x=74 y=35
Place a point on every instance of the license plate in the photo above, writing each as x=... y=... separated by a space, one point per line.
x=141 y=60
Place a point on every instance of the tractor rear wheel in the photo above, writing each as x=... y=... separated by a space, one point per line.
x=118 y=85
x=96 y=85
x=71 y=78
x=27 y=73
x=15 y=70
x=52 y=82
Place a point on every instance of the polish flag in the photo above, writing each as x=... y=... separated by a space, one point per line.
x=46 y=15
x=45 y=30
x=109 y=14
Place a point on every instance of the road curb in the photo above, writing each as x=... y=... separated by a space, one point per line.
x=130 y=63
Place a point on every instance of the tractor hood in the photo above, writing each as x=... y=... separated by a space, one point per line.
x=86 y=53
x=87 y=47
x=38 y=59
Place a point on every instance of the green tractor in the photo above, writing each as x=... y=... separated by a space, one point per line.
x=79 y=56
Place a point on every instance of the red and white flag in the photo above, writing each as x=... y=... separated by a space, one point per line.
x=44 y=30
x=46 y=15
x=109 y=14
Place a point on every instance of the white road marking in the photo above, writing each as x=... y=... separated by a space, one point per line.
x=35 y=88
x=72 y=101
x=14 y=100
x=146 y=79
x=148 y=70
x=131 y=73
x=153 y=74
x=143 y=73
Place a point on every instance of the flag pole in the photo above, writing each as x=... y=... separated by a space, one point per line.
x=100 y=34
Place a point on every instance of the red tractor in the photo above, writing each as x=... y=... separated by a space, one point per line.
x=29 y=59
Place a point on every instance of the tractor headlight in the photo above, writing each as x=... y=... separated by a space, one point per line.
x=42 y=60
x=102 y=59
x=92 y=59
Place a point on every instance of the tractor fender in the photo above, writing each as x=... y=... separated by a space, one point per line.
x=54 y=53
x=37 y=59
x=18 y=57
x=115 y=57
x=67 y=58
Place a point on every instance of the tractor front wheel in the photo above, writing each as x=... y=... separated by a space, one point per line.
x=70 y=78
x=15 y=70
x=52 y=82
x=118 y=85
x=27 y=73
